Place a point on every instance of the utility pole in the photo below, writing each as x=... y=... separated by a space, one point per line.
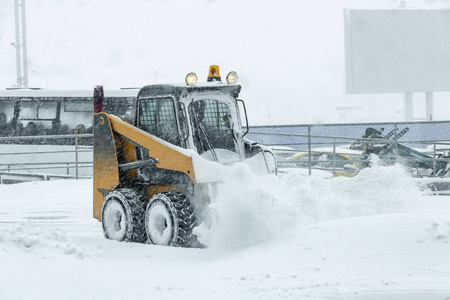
x=21 y=44
x=25 y=46
x=17 y=46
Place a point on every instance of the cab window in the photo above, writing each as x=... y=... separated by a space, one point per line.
x=157 y=117
x=213 y=125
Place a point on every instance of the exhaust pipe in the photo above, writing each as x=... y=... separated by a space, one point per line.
x=98 y=99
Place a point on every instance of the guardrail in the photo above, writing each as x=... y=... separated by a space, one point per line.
x=310 y=144
x=16 y=177
x=25 y=162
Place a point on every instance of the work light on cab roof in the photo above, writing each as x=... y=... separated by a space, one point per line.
x=191 y=78
x=232 y=77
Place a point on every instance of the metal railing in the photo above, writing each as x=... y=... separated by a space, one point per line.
x=45 y=163
x=305 y=142
x=289 y=134
x=310 y=144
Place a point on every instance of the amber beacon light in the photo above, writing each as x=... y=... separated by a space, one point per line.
x=214 y=74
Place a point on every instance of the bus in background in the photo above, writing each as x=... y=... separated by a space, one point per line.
x=36 y=112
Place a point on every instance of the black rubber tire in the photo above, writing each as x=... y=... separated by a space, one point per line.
x=176 y=220
x=127 y=206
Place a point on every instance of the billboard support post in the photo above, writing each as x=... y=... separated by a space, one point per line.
x=408 y=107
x=429 y=106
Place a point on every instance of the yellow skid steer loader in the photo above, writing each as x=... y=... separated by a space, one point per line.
x=155 y=169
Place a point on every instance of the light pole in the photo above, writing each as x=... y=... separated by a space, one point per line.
x=46 y=82
x=21 y=44
x=156 y=76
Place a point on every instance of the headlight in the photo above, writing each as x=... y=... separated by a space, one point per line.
x=191 y=78
x=232 y=77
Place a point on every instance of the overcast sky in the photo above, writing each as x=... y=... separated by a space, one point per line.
x=289 y=54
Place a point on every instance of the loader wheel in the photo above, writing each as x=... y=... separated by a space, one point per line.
x=123 y=216
x=169 y=220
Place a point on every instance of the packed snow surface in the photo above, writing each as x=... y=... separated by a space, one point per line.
x=374 y=236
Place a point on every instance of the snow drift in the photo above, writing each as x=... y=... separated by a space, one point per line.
x=256 y=209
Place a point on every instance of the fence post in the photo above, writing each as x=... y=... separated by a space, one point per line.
x=434 y=159
x=395 y=143
x=309 y=150
x=76 y=158
x=334 y=157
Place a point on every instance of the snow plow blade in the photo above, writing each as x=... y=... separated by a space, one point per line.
x=113 y=135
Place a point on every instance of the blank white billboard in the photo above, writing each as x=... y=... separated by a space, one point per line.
x=400 y=50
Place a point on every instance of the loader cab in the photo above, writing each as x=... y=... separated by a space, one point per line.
x=202 y=117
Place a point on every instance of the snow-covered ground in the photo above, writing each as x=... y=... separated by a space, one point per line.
x=374 y=236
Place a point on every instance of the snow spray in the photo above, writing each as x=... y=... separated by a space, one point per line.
x=254 y=209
